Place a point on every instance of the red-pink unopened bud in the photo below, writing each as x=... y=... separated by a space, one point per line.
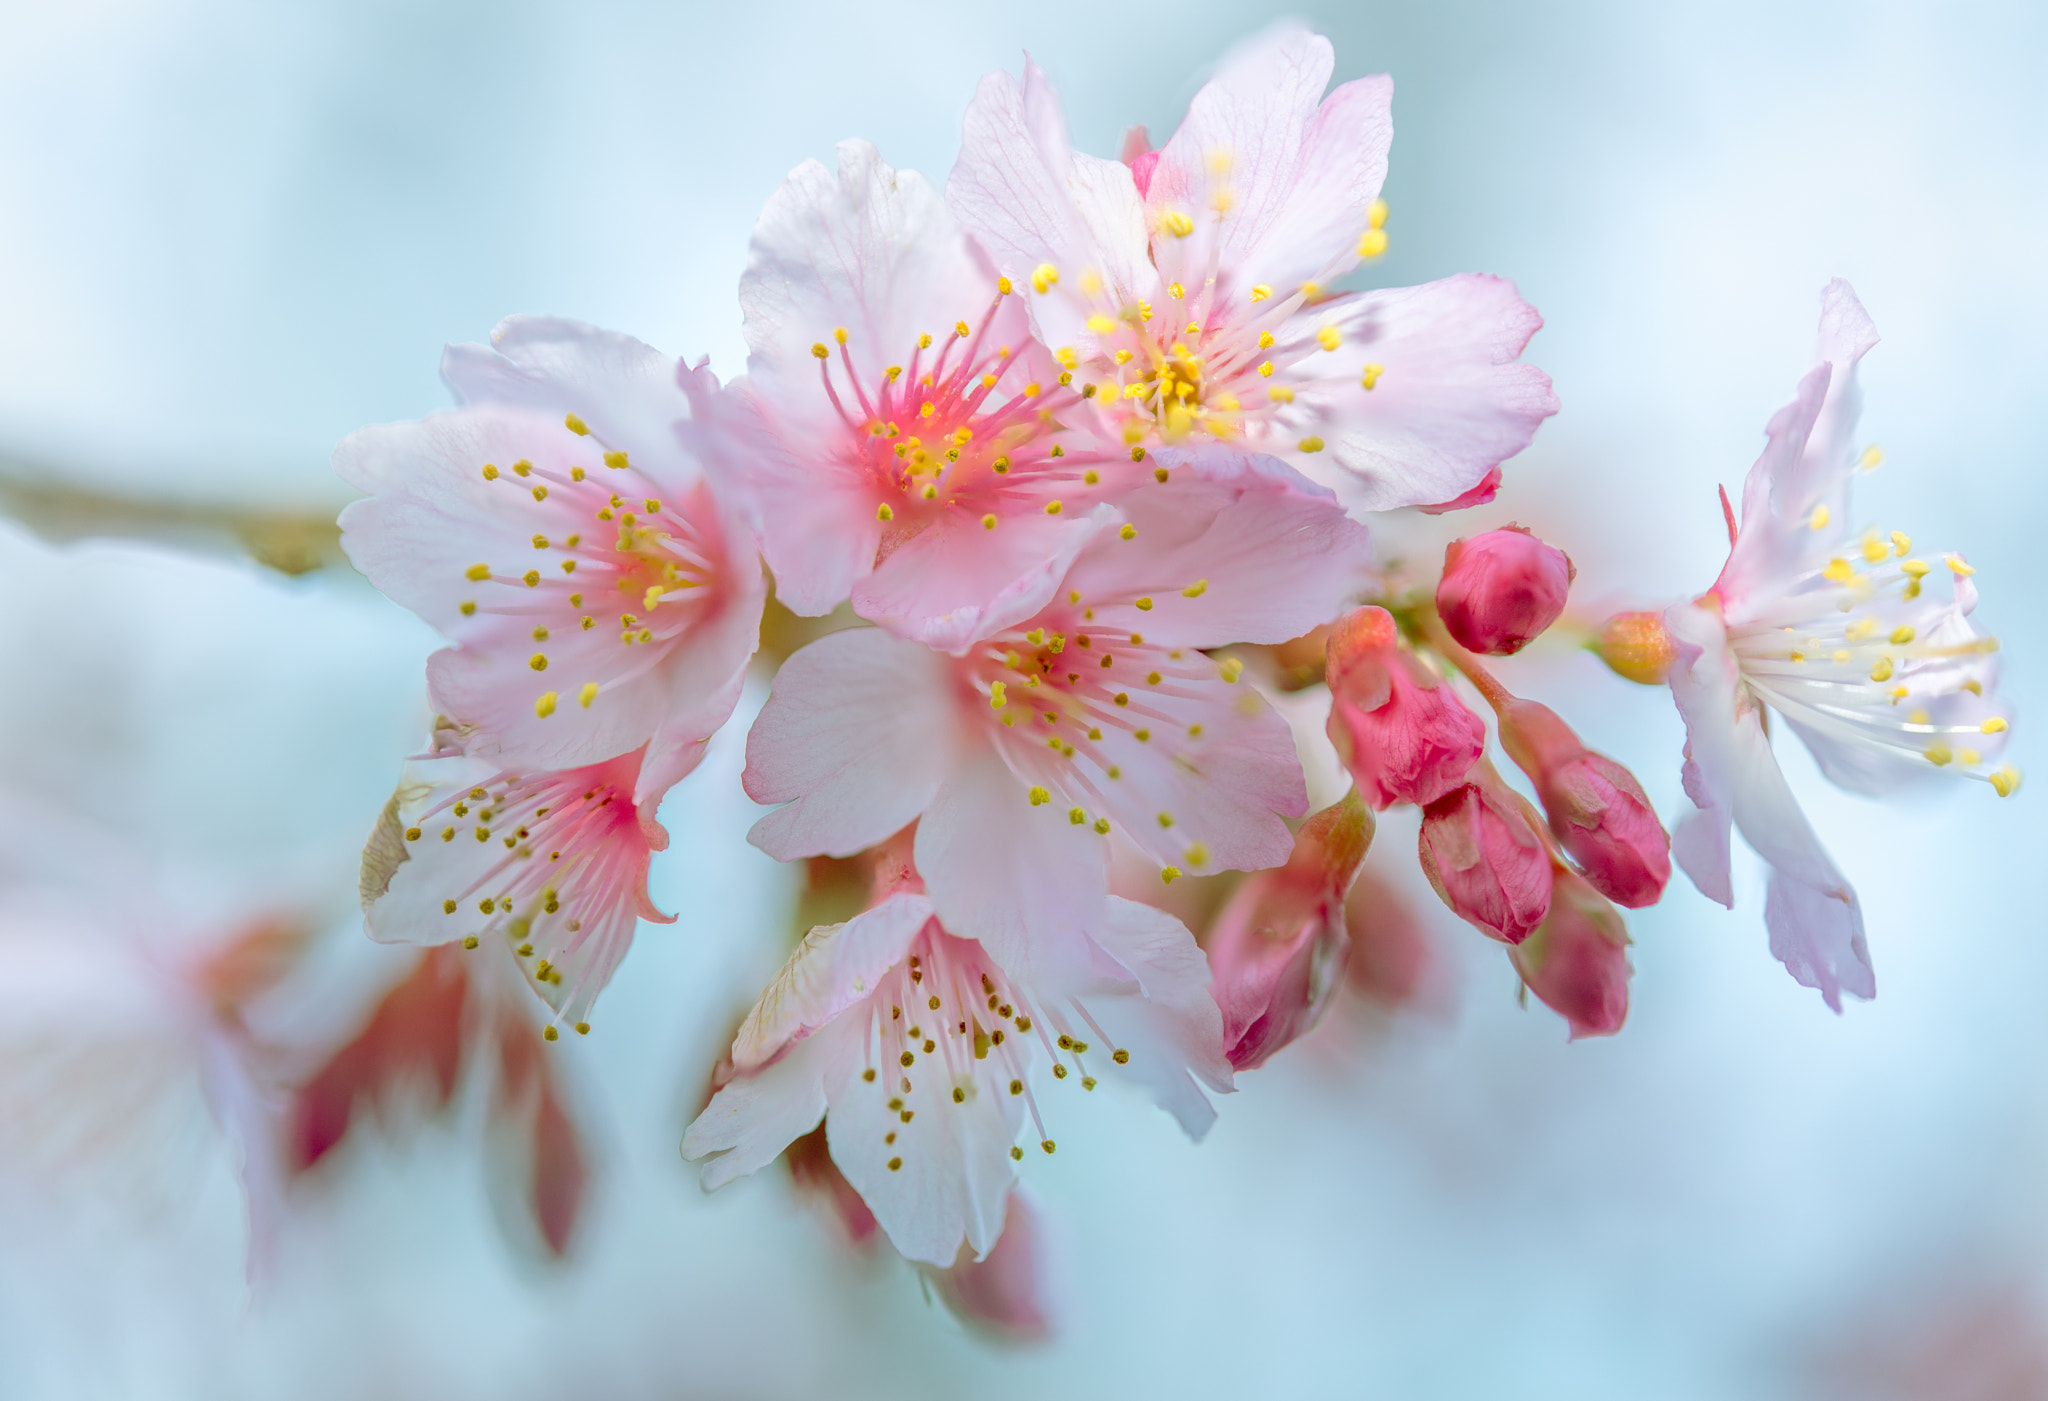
x=1404 y=737
x=1005 y=1293
x=1486 y=860
x=1277 y=949
x=1597 y=810
x=1577 y=963
x=1501 y=589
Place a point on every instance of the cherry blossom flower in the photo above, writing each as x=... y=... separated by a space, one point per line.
x=924 y=1055
x=600 y=596
x=898 y=434
x=1836 y=631
x=550 y=864
x=1084 y=707
x=1189 y=293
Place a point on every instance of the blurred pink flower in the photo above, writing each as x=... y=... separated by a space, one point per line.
x=1278 y=947
x=1834 y=631
x=919 y=1049
x=1402 y=733
x=1007 y=1294
x=518 y=522
x=1500 y=590
x=1191 y=289
x=550 y=865
x=1085 y=707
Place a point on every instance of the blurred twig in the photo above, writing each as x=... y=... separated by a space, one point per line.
x=291 y=541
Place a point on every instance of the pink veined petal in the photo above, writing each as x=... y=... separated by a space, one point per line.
x=857 y=737
x=1234 y=547
x=1846 y=335
x=1449 y=398
x=1172 y=1028
x=835 y=967
x=958 y=582
x=1020 y=878
x=1775 y=535
x=1703 y=686
x=1818 y=936
x=754 y=1117
x=1299 y=171
x=625 y=391
x=1030 y=199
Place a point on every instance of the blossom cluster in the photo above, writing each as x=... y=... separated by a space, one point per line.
x=1077 y=460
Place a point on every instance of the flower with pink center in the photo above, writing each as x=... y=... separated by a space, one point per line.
x=1189 y=292
x=1403 y=734
x=925 y=1056
x=1486 y=859
x=600 y=597
x=898 y=433
x=1085 y=708
x=552 y=864
x=1500 y=590
x=1278 y=947
x=1834 y=630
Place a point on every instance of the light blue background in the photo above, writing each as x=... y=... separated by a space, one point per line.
x=231 y=233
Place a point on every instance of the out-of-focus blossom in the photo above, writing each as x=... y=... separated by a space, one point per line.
x=1278 y=947
x=1007 y=1294
x=1486 y=859
x=1597 y=810
x=1500 y=590
x=1089 y=707
x=811 y=1169
x=898 y=432
x=601 y=598
x=924 y=1055
x=451 y=1016
x=1189 y=292
x=1835 y=630
x=1390 y=961
x=551 y=865
x=1405 y=737
x=1577 y=960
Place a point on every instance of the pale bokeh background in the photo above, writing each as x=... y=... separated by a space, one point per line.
x=231 y=233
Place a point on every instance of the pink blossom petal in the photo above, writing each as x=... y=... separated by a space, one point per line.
x=857 y=737
x=1173 y=1031
x=1006 y=1292
x=835 y=967
x=958 y=582
x=754 y=1117
x=1299 y=170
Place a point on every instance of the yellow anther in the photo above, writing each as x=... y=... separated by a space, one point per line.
x=616 y=461
x=1883 y=670
x=1913 y=568
x=924 y=342
x=998 y=696
x=1372 y=243
x=1996 y=725
x=1196 y=855
x=1901 y=635
x=1144 y=605
x=540 y=493
x=588 y=694
x=1939 y=754
x=1052 y=508
x=1261 y=292
x=2006 y=781
x=988 y=522
x=960 y=329
x=931 y=492
x=1969 y=757
x=1231 y=669
x=545 y=706
x=818 y=349
x=490 y=472
x=538 y=661
x=928 y=409
x=1044 y=276
x=1129 y=532
x=1196 y=589
x=1901 y=545
x=1165 y=820
x=885 y=512
x=1101 y=325
x=575 y=425
x=1329 y=338
x=1280 y=394
x=531 y=578
x=1076 y=816
x=1177 y=223
x=1376 y=214
x=1039 y=797
x=1840 y=656
x=1958 y=567
x=1266 y=368
x=1170 y=874
x=576 y=474
x=1872 y=456
x=1311 y=444
x=1838 y=571
x=1795 y=656
x=1875 y=550
x=1820 y=517
x=1311 y=289
x=1371 y=377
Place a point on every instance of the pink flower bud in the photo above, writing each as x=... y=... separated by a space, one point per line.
x=1404 y=737
x=1277 y=948
x=1577 y=963
x=1597 y=810
x=1485 y=859
x=1005 y=1293
x=1501 y=589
